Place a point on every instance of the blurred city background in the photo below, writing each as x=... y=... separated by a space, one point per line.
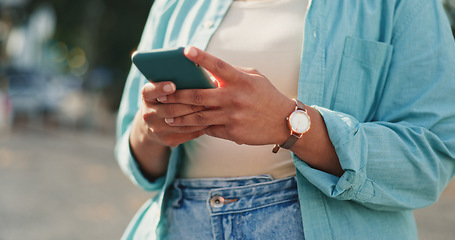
x=63 y=65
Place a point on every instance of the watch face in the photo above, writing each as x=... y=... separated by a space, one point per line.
x=299 y=121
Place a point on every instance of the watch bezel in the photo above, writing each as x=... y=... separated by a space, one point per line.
x=294 y=114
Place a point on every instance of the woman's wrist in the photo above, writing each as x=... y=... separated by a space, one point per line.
x=151 y=157
x=298 y=123
x=315 y=146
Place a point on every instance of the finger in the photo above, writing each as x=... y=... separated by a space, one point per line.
x=190 y=136
x=152 y=91
x=220 y=69
x=186 y=129
x=177 y=110
x=160 y=128
x=191 y=129
x=202 y=118
x=248 y=70
x=198 y=97
x=218 y=131
x=176 y=139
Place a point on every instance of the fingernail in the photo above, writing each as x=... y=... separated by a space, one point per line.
x=191 y=52
x=169 y=88
x=162 y=99
x=169 y=120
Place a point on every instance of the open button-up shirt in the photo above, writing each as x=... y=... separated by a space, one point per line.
x=382 y=75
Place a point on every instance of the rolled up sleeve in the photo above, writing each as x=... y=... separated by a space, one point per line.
x=405 y=156
x=130 y=167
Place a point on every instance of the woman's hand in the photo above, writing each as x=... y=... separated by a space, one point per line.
x=246 y=108
x=151 y=137
x=153 y=114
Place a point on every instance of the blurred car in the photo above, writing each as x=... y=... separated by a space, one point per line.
x=33 y=94
x=27 y=91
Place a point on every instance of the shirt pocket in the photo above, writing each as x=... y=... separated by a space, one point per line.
x=362 y=76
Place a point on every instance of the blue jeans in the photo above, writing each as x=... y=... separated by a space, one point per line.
x=234 y=208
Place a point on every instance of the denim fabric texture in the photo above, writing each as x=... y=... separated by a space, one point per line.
x=235 y=208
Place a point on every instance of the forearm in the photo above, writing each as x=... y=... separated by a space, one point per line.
x=315 y=147
x=152 y=157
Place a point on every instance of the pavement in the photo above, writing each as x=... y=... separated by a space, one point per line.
x=65 y=184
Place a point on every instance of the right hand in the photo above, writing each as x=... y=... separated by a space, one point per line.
x=152 y=114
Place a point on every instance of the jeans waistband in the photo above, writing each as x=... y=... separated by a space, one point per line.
x=236 y=194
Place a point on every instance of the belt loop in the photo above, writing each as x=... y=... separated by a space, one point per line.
x=177 y=195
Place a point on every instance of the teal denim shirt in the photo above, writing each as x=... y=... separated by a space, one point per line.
x=382 y=75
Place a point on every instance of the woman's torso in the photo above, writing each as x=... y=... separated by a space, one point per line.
x=266 y=35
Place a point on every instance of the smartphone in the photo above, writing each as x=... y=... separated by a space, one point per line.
x=172 y=65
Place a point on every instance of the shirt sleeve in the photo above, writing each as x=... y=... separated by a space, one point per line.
x=130 y=167
x=129 y=106
x=405 y=157
x=127 y=111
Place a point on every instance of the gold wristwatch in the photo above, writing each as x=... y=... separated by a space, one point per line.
x=299 y=123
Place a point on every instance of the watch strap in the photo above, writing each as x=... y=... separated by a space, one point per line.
x=292 y=139
x=299 y=105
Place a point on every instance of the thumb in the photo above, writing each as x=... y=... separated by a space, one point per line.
x=223 y=72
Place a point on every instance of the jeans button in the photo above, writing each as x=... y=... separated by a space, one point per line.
x=217 y=201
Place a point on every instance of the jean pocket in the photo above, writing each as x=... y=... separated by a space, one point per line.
x=362 y=76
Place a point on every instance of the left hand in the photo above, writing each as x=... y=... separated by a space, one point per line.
x=246 y=108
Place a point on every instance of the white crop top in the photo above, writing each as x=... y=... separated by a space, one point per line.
x=266 y=35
